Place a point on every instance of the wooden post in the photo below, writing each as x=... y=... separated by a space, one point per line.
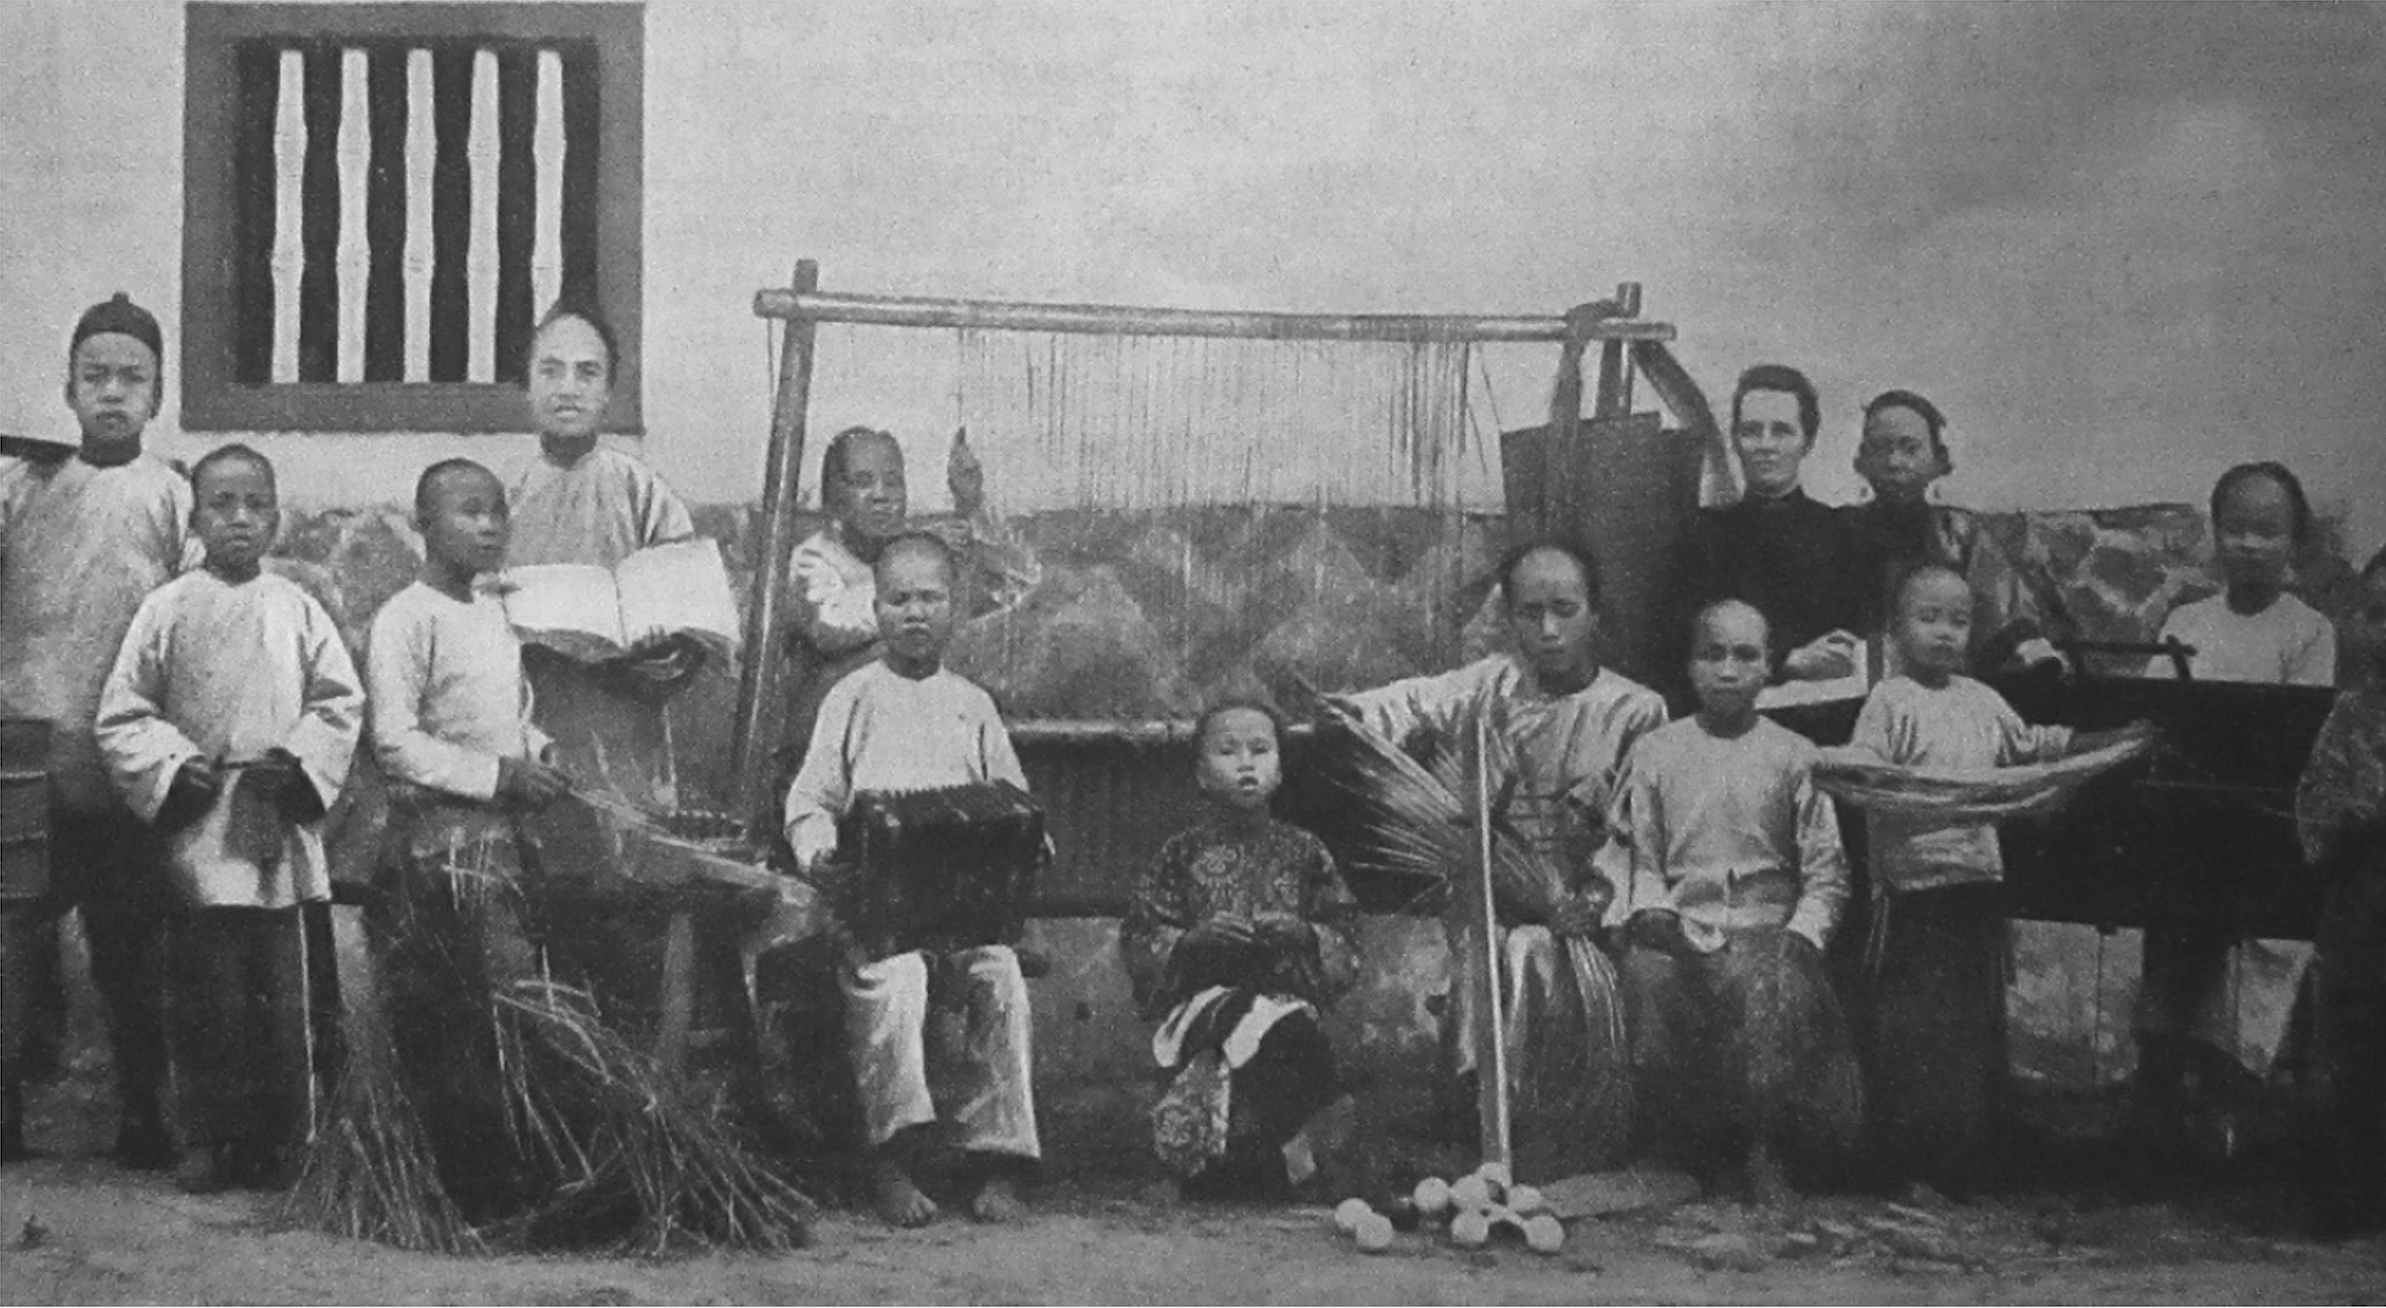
x=677 y=987
x=761 y=691
x=1615 y=370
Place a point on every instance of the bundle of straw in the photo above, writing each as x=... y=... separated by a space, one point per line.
x=370 y=1174
x=1412 y=825
x=631 y=1165
x=637 y=1164
x=484 y=1092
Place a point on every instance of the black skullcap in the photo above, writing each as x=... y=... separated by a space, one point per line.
x=119 y=314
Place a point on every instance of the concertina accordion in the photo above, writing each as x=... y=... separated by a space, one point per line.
x=940 y=870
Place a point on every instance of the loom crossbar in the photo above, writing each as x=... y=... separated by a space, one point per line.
x=1122 y=320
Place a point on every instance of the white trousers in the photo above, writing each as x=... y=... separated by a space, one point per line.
x=985 y=1046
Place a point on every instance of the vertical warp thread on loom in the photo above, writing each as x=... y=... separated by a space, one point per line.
x=1141 y=425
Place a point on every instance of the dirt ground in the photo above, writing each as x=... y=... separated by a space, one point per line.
x=81 y=1232
x=74 y=1229
x=2086 y=1229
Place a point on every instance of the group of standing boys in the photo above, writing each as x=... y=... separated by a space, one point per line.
x=204 y=712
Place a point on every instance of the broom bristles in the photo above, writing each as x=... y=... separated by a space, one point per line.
x=637 y=1157
x=636 y=1166
x=370 y=1174
x=1411 y=823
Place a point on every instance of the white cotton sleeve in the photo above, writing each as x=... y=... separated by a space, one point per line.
x=142 y=749
x=398 y=673
x=324 y=742
x=823 y=786
x=836 y=617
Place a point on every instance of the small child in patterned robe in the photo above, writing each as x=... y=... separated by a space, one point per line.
x=1236 y=940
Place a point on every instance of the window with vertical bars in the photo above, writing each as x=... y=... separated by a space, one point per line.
x=380 y=199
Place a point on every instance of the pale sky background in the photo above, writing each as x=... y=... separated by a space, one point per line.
x=2124 y=245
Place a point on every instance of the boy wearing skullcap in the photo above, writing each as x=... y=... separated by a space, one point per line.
x=82 y=540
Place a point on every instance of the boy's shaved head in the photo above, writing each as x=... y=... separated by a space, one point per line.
x=427 y=488
x=230 y=454
x=918 y=545
x=1737 y=609
x=1916 y=576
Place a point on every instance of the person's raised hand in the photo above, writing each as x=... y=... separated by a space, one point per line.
x=2039 y=652
x=1825 y=658
x=964 y=478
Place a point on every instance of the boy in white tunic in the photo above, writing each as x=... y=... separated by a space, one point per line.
x=228 y=723
x=451 y=925
x=1738 y=880
x=82 y=540
x=583 y=503
x=905 y=723
x=1936 y=962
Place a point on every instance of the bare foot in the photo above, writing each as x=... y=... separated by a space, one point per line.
x=201 y=1171
x=997 y=1200
x=897 y=1200
x=1767 y=1186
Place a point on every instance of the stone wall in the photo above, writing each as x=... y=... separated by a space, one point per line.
x=1151 y=613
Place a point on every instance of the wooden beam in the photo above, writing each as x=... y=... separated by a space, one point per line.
x=1123 y=320
x=761 y=692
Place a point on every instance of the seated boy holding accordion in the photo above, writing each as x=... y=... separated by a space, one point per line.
x=908 y=764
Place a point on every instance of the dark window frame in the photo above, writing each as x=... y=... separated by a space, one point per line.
x=212 y=398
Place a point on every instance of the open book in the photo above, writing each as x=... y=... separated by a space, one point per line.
x=592 y=614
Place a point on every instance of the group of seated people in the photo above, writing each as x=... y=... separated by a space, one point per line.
x=1672 y=1000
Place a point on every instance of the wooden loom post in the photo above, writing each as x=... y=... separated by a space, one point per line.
x=1615 y=370
x=1491 y=1035
x=761 y=691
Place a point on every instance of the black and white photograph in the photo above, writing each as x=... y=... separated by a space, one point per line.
x=1192 y=651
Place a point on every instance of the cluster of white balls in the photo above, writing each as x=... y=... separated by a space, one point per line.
x=1475 y=1206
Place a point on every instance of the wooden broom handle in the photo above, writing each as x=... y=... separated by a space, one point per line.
x=1491 y=1050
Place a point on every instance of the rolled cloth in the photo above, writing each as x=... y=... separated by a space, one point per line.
x=1967 y=795
x=120 y=315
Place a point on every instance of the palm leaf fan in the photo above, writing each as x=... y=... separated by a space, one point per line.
x=1409 y=823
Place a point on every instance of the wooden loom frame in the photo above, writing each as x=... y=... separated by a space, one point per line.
x=1627 y=344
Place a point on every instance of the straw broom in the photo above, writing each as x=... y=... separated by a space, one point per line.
x=370 y=1174
x=612 y=1152
x=638 y=1162
x=635 y=1167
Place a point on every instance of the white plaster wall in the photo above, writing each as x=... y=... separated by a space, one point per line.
x=2125 y=247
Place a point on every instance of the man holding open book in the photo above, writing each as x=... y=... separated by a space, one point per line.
x=611 y=624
